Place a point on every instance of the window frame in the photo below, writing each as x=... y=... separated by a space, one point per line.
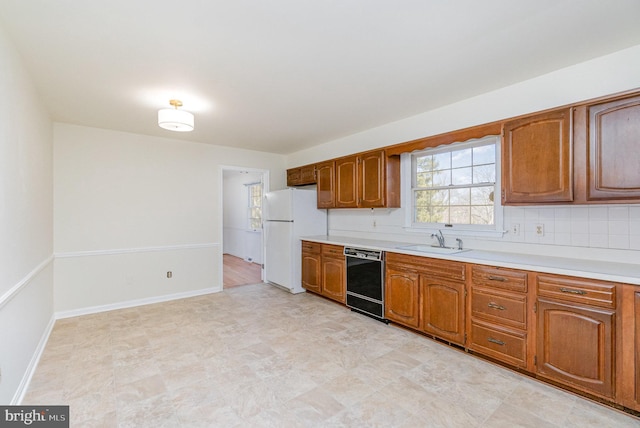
x=408 y=179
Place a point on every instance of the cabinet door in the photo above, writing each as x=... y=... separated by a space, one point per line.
x=294 y=176
x=308 y=174
x=326 y=184
x=333 y=278
x=536 y=159
x=347 y=182
x=614 y=157
x=442 y=306
x=371 y=179
x=636 y=304
x=576 y=346
x=311 y=273
x=401 y=297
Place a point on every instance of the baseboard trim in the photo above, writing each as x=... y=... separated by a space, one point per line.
x=33 y=364
x=133 y=303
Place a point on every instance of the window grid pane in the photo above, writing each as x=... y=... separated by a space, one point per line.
x=455 y=187
x=255 y=206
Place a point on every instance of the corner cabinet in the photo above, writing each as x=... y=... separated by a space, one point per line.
x=613 y=164
x=367 y=180
x=576 y=333
x=537 y=159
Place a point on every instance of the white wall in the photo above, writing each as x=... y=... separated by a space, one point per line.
x=26 y=230
x=128 y=208
x=605 y=75
x=607 y=233
x=239 y=241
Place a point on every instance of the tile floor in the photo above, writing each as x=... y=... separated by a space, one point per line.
x=255 y=356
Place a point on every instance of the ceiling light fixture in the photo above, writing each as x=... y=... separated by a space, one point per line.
x=174 y=119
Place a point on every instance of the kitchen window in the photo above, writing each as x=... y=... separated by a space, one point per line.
x=456 y=186
x=255 y=206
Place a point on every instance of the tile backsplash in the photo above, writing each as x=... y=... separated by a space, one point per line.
x=602 y=232
x=613 y=227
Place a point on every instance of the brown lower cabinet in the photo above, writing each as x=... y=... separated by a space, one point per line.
x=426 y=294
x=324 y=270
x=628 y=359
x=579 y=333
x=311 y=266
x=576 y=346
x=576 y=333
x=333 y=273
x=499 y=315
x=442 y=305
x=402 y=288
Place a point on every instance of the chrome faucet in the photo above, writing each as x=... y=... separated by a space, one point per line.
x=440 y=237
x=459 y=241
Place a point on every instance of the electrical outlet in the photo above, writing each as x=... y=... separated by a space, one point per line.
x=169 y=274
x=515 y=229
x=540 y=229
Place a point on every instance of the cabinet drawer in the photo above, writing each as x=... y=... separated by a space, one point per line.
x=311 y=247
x=508 y=309
x=578 y=290
x=507 y=279
x=332 y=250
x=433 y=267
x=502 y=344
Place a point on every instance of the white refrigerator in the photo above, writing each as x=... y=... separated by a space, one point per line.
x=288 y=215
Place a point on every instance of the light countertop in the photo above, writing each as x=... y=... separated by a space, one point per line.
x=594 y=269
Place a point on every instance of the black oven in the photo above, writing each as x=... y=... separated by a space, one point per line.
x=365 y=281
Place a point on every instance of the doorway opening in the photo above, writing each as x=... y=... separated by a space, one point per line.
x=242 y=235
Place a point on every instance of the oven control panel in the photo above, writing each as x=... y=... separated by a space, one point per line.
x=363 y=253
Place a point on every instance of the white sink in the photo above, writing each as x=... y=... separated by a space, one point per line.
x=430 y=249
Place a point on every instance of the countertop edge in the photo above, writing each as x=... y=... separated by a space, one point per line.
x=615 y=272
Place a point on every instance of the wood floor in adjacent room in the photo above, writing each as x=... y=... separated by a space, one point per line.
x=237 y=271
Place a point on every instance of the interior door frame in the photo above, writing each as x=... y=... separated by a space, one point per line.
x=220 y=222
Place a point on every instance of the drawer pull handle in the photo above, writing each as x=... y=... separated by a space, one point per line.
x=570 y=291
x=496 y=306
x=496 y=341
x=497 y=278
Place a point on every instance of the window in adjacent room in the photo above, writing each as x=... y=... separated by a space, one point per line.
x=456 y=186
x=255 y=205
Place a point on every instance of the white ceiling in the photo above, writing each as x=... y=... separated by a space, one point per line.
x=283 y=75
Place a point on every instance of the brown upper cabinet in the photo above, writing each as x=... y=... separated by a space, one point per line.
x=301 y=176
x=367 y=180
x=585 y=153
x=325 y=179
x=537 y=159
x=347 y=182
x=614 y=150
